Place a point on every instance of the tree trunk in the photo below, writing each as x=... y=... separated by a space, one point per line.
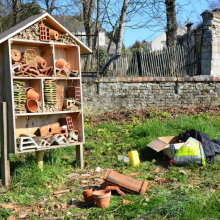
x=121 y=26
x=97 y=25
x=171 y=30
x=88 y=9
x=50 y=5
x=15 y=11
x=111 y=39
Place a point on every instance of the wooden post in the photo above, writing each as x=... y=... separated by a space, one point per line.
x=39 y=159
x=5 y=163
x=79 y=156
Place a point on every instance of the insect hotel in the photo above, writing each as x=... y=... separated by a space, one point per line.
x=41 y=84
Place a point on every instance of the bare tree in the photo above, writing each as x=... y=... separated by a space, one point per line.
x=15 y=11
x=171 y=30
x=88 y=10
x=121 y=26
x=50 y=5
x=214 y=4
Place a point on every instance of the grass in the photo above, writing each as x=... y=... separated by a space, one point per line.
x=172 y=195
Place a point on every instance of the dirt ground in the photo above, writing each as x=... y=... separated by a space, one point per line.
x=174 y=112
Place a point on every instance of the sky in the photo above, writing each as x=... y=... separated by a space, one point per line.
x=189 y=11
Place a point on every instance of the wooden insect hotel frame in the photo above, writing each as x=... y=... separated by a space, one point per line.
x=40 y=78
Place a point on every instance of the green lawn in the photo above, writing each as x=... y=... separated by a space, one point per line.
x=172 y=195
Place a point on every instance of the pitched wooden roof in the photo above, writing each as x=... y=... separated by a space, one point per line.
x=50 y=21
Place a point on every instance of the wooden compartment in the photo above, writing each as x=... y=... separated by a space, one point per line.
x=29 y=125
x=70 y=54
x=43 y=50
x=65 y=96
x=36 y=84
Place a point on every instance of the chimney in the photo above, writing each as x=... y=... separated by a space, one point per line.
x=185 y=25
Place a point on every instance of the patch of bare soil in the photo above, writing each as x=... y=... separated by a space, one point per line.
x=174 y=112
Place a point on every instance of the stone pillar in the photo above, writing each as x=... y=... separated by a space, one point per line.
x=210 y=48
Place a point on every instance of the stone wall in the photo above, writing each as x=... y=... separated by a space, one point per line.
x=210 y=57
x=112 y=94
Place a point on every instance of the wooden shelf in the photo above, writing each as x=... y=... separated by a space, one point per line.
x=62 y=78
x=37 y=42
x=47 y=113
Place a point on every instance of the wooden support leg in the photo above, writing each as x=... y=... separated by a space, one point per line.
x=79 y=156
x=39 y=159
x=5 y=163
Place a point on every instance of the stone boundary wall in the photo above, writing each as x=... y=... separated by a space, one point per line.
x=128 y=93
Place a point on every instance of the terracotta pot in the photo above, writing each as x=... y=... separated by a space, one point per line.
x=102 y=198
x=88 y=195
x=62 y=64
x=15 y=55
x=41 y=62
x=32 y=105
x=54 y=35
x=31 y=94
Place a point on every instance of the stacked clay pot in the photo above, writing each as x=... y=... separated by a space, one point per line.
x=32 y=97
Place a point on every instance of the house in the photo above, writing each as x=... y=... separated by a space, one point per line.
x=146 y=45
x=159 y=43
x=75 y=25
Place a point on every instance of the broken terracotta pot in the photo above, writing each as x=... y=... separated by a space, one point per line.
x=126 y=183
x=88 y=196
x=102 y=198
x=32 y=94
x=54 y=35
x=41 y=62
x=113 y=188
x=15 y=55
x=46 y=71
x=32 y=105
x=62 y=64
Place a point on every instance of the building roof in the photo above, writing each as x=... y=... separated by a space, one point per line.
x=50 y=21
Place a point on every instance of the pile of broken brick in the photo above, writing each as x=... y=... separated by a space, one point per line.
x=112 y=183
x=58 y=133
x=28 y=63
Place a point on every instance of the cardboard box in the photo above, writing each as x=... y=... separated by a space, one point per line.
x=169 y=145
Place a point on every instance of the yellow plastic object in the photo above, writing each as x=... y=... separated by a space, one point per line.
x=134 y=158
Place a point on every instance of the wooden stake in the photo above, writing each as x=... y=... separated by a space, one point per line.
x=79 y=156
x=5 y=163
x=39 y=159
